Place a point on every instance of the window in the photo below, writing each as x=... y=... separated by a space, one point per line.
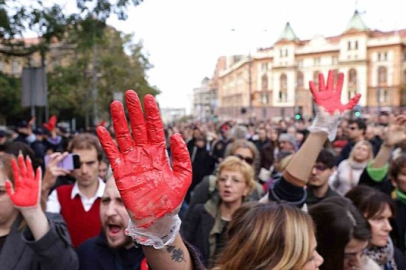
x=286 y=52
x=349 y=45
x=356 y=45
x=404 y=75
x=264 y=82
x=14 y=67
x=316 y=78
x=300 y=63
x=280 y=53
x=385 y=56
x=382 y=75
x=334 y=60
x=317 y=61
x=283 y=82
x=379 y=56
x=283 y=88
x=264 y=66
x=299 y=79
x=264 y=98
x=352 y=79
x=383 y=95
x=335 y=72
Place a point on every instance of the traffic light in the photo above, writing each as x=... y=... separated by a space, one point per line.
x=357 y=111
x=298 y=116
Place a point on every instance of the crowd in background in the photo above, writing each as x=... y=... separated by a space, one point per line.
x=233 y=163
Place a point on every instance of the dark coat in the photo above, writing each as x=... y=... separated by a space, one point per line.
x=95 y=254
x=196 y=231
x=53 y=251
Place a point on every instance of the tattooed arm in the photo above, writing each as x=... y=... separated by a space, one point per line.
x=174 y=256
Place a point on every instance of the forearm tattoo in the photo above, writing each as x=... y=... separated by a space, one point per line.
x=176 y=254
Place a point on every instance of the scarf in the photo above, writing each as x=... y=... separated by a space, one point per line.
x=383 y=256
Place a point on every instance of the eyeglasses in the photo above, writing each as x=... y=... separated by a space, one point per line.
x=320 y=168
x=246 y=159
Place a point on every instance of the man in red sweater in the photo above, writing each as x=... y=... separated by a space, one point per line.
x=79 y=203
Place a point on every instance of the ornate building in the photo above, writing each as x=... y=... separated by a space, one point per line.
x=274 y=81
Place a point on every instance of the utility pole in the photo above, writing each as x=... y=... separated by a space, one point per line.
x=95 y=90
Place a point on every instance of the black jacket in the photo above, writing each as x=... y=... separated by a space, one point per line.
x=95 y=254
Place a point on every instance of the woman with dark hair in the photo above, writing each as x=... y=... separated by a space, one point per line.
x=342 y=234
x=378 y=209
x=390 y=178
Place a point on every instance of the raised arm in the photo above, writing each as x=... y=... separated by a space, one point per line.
x=330 y=112
x=151 y=190
x=394 y=135
x=47 y=238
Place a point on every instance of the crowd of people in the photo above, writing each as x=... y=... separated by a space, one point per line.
x=303 y=194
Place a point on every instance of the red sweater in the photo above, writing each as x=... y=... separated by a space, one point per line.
x=82 y=225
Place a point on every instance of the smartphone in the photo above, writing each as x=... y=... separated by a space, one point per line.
x=71 y=162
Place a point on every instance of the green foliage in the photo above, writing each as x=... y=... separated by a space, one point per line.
x=10 y=100
x=50 y=22
x=70 y=87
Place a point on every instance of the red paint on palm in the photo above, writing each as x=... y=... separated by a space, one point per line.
x=329 y=97
x=149 y=187
x=27 y=186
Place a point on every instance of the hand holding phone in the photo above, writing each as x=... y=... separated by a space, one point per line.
x=68 y=162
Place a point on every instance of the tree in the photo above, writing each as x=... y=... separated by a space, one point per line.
x=120 y=65
x=11 y=110
x=52 y=22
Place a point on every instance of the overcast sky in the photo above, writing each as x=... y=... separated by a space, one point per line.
x=184 y=38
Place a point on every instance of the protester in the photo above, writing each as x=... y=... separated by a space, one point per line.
x=378 y=209
x=206 y=227
x=337 y=218
x=207 y=188
x=349 y=171
x=29 y=238
x=111 y=249
x=318 y=185
x=79 y=203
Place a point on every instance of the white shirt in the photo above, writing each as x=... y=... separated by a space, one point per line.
x=53 y=205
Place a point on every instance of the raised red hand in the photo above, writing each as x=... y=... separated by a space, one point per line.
x=329 y=97
x=148 y=186
x=27 y=187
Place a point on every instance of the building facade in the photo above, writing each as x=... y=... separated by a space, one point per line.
x=202 y=97
x=273 y=82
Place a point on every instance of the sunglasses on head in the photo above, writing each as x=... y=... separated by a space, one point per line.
x=246 y=159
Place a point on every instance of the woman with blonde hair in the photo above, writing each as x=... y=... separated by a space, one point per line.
x=257 y=227
x=208 y=222
x=349 y=171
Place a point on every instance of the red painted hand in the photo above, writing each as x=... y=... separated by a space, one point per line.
x=330 y=98
x=148 y=186
x=27 y=187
